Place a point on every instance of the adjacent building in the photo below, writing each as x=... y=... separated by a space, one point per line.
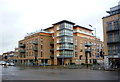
x=8 y=56
x=63 y=43
x=0 y=57
x=111 y=29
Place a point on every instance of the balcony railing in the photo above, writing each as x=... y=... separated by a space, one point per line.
x=65 y=28
x=64 y=56
x=88 y=50
x=83 y=32
x=35 y=42
x=35 y=48
x=66 y=41
x=88 y=44
x=112 y=29
x=68 y=48
x=68 y=34
x=58 y=48
x=22 y=45
x=58 y=41
x=52 y=56
x=22 y=50
x=52 y=43
x=52 y=49
x=113 y=41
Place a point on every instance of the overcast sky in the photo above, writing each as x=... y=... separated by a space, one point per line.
x=19 y=17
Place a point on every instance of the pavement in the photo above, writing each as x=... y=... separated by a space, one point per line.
x=54 y=73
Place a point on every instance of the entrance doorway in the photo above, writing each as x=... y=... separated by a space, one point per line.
x=60 y=61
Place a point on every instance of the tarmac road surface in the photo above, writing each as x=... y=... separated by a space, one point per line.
x=43 y=73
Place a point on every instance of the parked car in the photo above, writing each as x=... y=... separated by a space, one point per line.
x=3 y=63
x=11 y=64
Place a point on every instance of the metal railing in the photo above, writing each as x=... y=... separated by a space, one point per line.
x=35 y=42
x=22 y=50
x=35 y=48
x=88 y=50
x=22 y=45
x=88 y=44
x=64 y=56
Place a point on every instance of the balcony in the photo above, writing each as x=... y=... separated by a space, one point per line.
x=58 y=41
x=22 y=50
x=57 y=29
x=112 y=29
x=66 y=48
x=64 y=56
x=113 y=41
x=65 y=34
x=88 y=50
x=22 y=45
x=77 y=31
x=35 y=48
x=58 y=48
x=52 y=49
x=61 y=28
x=52 y=56
x=88 y=45
x=35 y=42
x=66 y=41
x=52 y=43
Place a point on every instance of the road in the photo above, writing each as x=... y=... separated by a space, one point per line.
x=38 y=73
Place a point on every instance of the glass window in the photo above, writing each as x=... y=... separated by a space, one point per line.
x=116 y=24
x=81 y=44
x=41 y=54
x=80 y=29
x=76 y=55
x=109 y=26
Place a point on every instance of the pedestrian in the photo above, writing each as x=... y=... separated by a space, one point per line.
x=117 y=64
x=7 y=64
x=111 y=64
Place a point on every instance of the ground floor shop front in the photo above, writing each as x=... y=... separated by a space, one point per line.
x=57 y=61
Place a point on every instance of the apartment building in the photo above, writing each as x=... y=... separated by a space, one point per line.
x=111 y=29
x=63 y=43
x=1 y=57
x=8 y=56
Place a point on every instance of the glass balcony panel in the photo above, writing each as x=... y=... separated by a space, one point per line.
x=35 y=42
x=22 y=50
x=35 y=48
x=22 y=45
